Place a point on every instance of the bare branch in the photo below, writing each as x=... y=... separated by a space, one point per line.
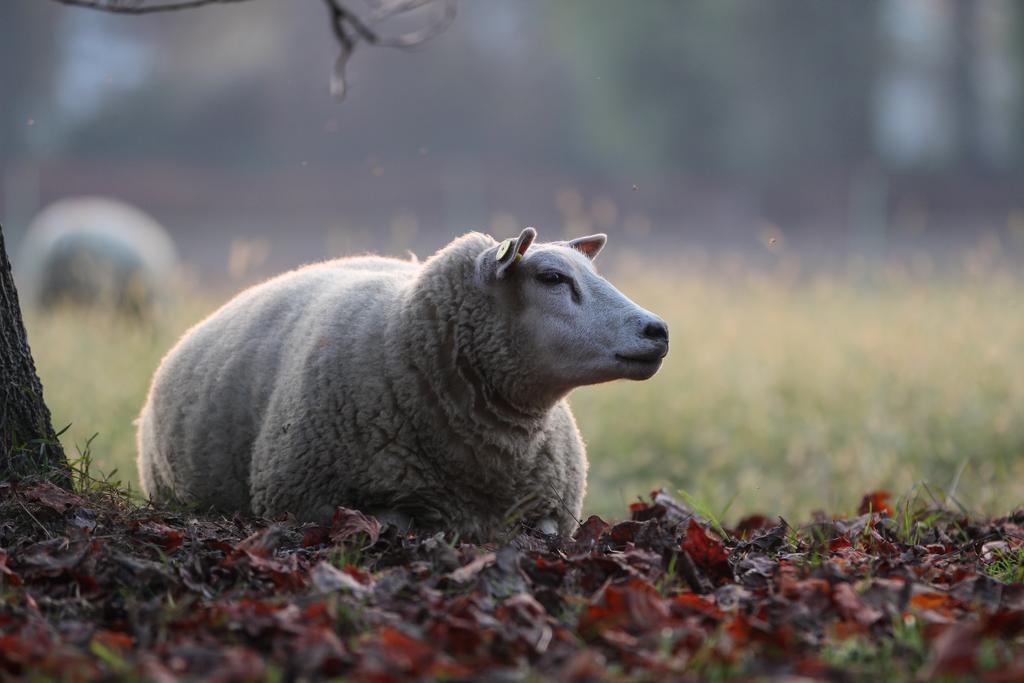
x=137 y=6
x=414 y=38
x=348 y=26
x=341 y=16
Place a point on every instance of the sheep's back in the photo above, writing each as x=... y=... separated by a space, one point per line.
x=213 y=394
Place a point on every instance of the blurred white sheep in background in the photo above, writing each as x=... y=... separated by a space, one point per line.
x=96 y=252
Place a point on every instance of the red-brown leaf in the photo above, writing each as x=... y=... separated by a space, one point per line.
x=931 y=600
x=625 y=532
x=876 y=501
x=52 y=496
x=634 y=605
x=851 y=607
x=260 y=544
x=159 y=534
x=748 y=525
x=315 y=534
x=637 y=506
x=706 y=552
x=839 y=543
x=404 y=653
x=12 y=577
x=953 y=652
x=590 y=531
x=114 y=640
x=348 y=523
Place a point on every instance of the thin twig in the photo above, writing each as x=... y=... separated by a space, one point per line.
x=560 y=500
x=342 y=16
x=697 y=582
x=951 y=491
x=415 y=38
x=386 y=9
x=348 y=26
x=115 y=7
x=29 y=513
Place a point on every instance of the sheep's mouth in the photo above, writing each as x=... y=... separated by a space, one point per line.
x=650 y=358
x=639 y=365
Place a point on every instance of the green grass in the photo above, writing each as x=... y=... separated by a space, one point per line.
x=780 y=396
x=890 y=659
x=801 y=397
x=1007 y=567
x=95 y=370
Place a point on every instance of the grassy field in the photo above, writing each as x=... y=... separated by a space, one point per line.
x=776 y=397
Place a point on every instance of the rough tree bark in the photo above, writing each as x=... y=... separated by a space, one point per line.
x=27 y=441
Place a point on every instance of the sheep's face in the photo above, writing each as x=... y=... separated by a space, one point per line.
x=573 y=327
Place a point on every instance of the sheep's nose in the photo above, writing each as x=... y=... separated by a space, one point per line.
x=656 y=329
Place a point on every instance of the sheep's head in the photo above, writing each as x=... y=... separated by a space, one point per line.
x=572 y=324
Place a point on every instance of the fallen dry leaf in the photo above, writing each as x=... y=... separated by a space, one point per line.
x=348 y=524
x=123 y=592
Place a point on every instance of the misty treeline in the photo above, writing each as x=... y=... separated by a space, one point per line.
x=718 y=85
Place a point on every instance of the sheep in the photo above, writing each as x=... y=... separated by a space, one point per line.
x=96 y=252
x=430 y=395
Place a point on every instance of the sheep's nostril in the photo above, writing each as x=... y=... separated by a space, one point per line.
x=656 y=330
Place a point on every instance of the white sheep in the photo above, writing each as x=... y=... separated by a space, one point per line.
x=431 y=393
x=95 y=251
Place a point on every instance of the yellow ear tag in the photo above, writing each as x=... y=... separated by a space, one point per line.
x=503 y=249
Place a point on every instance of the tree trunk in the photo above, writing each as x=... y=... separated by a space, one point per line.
x=28 y=444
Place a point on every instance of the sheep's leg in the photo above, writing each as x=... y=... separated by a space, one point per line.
x=547 y=526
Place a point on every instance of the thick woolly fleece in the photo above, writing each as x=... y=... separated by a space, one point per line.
x=368 y=382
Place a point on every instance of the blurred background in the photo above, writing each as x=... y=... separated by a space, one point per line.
x=824 y=200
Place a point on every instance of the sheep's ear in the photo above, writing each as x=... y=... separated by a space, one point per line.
x=591 y=245
x=511 y=251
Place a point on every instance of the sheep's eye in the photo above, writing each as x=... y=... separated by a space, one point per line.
x=551 y=277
